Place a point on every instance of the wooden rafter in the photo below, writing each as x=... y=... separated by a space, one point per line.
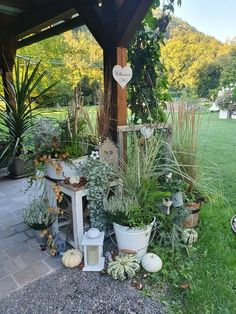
x=35 y=18
x=52 y=31
x=92 y=16
x=130 y=16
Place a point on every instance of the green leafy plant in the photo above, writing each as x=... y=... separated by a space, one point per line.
x=148 y=90
x=169 y=228
x=21 y=107
x=98 y=175
x=38 y=214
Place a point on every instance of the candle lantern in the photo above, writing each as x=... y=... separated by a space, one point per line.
x=93 y=250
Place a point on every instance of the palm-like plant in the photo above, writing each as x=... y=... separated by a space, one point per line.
x=21 y=106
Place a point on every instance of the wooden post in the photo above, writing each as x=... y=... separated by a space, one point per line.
x=7 y=61
x=115 y=95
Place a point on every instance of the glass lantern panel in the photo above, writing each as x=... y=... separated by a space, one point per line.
x=92 y=255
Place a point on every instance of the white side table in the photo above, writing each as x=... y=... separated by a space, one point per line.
x=77 y=210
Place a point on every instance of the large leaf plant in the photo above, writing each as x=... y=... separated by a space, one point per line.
x=22 y=102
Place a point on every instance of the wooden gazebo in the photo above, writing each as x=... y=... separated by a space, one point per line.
x=112 y=23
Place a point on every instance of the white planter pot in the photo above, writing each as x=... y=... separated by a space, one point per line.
x=133 y=239
x=224 y=114
x=67 y=169
x=233 y=115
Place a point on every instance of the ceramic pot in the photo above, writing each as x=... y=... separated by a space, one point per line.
x=133 y=239
x=66 y=170
x=177 y=199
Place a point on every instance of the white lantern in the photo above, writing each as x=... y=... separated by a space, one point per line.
x=93 y=250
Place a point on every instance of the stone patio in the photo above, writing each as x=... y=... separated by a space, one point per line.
x=21 y=259
x=25 y=286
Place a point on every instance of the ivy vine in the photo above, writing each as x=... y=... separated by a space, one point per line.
x=148 y=90
x=98 y=176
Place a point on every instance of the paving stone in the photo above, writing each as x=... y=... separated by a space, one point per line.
x=5 y=213
x=31 y=273
x=33 y=243
x=8 y=267
x=5 y=223
x=20 y=227
x=53 y=261
x=3 y=256
x=7 y=285
x=19 y=262
x=6 y=243
x=19 y=237
x=34 y=255
x=30 y=233
x=2 y=195
x=17 y=249
x=6 y=202
x=5 y=233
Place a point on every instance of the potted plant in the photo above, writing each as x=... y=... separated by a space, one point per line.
x=38 y=215
x=192 y=200
x=175 y=185
x=226 y=100
x=17 y=117
x=63 y=149
x=133 y=209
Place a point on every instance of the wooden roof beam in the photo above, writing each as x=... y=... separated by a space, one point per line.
x=92 y=16
x=130 y=16
x=10 y=10
x=34 y=18
x=53 y=31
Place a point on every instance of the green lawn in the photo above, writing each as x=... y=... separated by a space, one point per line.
x=214 y=273
x=213 y=269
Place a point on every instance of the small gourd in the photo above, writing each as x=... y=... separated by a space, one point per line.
x=151 y=263
x=71 y=258
x=123 y=267
x=189 y=236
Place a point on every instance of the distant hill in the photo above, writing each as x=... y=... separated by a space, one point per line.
x=186 y=51
x=177 y=24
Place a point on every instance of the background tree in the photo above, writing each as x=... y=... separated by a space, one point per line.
x=208 y=79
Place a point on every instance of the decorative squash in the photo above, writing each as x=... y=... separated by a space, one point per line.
x=189 y=236
x=71 y=258
x=151 y=263
x=123 y=267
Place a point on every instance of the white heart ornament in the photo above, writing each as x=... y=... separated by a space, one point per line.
x=122 y=75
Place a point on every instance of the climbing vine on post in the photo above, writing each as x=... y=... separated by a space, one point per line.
x=148 y=90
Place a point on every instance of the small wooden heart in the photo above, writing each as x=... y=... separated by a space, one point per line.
x=122 y=75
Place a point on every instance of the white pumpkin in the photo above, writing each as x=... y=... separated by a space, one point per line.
x=71 y=258
x=189 y=236
x=151 y=263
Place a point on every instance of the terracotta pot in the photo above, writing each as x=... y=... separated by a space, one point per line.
x=193 y=219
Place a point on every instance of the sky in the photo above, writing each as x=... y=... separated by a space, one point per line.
x=213 y=17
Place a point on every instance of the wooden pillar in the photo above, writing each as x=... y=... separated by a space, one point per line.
x=7 y=61
x=115 y=95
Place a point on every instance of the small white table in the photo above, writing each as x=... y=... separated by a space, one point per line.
x=76 y=195
x=77 y=210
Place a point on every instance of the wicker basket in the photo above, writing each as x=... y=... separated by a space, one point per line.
x=192 y=220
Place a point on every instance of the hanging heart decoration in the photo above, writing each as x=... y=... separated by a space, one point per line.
x=122 y=75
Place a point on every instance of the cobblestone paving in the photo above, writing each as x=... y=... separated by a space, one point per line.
x=21 y=260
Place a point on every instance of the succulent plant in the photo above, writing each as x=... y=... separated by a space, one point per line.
x=123 y=267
